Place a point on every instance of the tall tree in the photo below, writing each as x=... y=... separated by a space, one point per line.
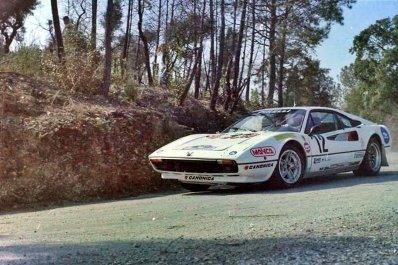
x=252 y=45
x=106 y=79
x=94 y=8
x=282 y=53
x=127 y=35
x=144 y=41
x=57 y=29
x=238 y=51
x=300 y=26
x=272 y=53
x=159 y=24
x=200 y=53
x=212 y=62
x=12 y=17
x=220 y=63
x=190 y=79
x=372 y=79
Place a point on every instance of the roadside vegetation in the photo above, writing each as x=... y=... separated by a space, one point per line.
x=371 y=82
x=228 y=52
x=81 y=112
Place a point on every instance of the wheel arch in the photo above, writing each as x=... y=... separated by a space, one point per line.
x=300 y=147
x=377 y=137
x=384 y=161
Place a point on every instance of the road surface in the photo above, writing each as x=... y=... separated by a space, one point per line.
x=337 y=220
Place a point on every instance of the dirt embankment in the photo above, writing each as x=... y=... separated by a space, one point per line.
x=56 y=147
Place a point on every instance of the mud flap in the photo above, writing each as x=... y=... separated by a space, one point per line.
x=384 y=162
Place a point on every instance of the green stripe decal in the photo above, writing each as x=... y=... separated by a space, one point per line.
x=284 y=136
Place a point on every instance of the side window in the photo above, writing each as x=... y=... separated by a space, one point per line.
x=326 y=122
x=344 y=121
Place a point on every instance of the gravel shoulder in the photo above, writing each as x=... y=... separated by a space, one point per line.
x=334 y=220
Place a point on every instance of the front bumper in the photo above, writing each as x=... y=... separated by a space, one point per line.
x=247 y=173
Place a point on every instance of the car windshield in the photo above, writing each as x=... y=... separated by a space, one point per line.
x=280 y=120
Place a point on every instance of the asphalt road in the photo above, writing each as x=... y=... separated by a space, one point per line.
x=335 y=220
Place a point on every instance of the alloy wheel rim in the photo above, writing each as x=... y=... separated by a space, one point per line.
x=290 y=166
x=374 y=156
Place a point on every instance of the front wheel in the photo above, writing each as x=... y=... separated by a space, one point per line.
x=290 y=168
x=194 y=187
x=371 y=163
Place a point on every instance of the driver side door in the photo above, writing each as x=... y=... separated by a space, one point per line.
x=331 y=144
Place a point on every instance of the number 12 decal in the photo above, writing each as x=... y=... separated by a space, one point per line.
x=320 y=140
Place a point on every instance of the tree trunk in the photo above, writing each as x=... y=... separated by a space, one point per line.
x=242 y=69
x=94 y=7
x=144 y=42
x=235 y=87
x=57 y=29
x=191 y=77
x=272 y=54
x=165 y=78
x=234 y=27
x=10 y=38
x=263 y=75
x=216 y=88
x=155 y=61
x=212 y=66
x=106 y=80
x=228 y=88
x=252 y=42
x=198 y=75
x=126 y=44
x=282 y=60
x=236 y=99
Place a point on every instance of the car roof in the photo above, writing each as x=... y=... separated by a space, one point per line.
x=297 y=108
x=308 y=108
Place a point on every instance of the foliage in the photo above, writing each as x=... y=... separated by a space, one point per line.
x=130 y=90
x=81 y=72
x=75 y=40
x=309 y=84
x=255 y=101
x=117 y=15
x=24 y=60
x=12 y=17
x=372 y=80
x=175 y=30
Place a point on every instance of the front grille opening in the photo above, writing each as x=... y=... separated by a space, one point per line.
x=195 y=166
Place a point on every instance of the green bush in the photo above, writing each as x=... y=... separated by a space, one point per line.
x=25 y=60
x=80 y=72
x=130 y=91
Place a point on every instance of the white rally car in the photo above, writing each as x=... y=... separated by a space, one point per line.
x=280 y=145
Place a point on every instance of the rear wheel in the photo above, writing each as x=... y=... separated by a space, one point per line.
x=290 y=168
x=194 y=187
x=371 y=163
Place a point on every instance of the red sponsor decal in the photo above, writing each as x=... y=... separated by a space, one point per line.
x=263 y=151
x=307 y=147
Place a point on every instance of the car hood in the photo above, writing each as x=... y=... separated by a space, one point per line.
x=218 y=142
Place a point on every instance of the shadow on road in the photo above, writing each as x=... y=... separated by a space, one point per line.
x=302 y=249
x=309 y=184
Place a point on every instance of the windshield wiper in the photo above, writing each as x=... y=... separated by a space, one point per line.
x=243 y=129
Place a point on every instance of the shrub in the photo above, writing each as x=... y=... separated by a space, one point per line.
x=130 y=91
x=81 y=72
x=26 y=60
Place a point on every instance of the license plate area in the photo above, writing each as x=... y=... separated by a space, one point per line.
x=199 y=178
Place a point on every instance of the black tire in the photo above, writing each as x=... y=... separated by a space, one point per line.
x=283 y=176
x=195 y=187
x=371 y=163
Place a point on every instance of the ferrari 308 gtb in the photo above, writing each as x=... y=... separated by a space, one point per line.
x=279 y=145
